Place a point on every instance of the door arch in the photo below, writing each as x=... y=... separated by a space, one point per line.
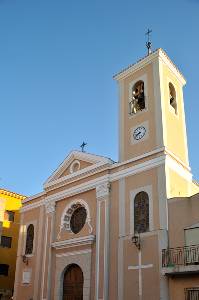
x=73 y=282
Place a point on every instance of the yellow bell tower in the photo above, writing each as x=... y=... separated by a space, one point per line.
x=152 y=109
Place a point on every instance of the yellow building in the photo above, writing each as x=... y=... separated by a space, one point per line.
x=10 y=204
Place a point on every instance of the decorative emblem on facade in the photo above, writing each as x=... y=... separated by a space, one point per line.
x=103 y=190
x=75 y=166
x=75 y=215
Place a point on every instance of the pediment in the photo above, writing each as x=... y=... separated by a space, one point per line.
x=75 y=163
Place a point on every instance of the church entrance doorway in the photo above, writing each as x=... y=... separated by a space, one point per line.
x=73 y=283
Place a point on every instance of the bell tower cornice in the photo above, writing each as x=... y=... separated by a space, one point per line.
x=143 y=62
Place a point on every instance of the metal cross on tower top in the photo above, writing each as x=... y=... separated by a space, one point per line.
x=83 y=146
x=148 y=43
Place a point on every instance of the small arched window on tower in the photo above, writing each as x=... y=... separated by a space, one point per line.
x=141 y=212
x=29 y=239
x=172 y=97
x=137 y=102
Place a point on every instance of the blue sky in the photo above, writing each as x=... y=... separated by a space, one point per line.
x=57 y=59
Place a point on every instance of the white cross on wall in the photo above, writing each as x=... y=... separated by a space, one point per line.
x=139 y=268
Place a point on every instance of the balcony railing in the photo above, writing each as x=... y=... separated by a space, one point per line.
x=192 y=294
x=188 y=255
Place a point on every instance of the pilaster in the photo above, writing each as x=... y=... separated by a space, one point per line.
x=47 y=259
x=102 y=241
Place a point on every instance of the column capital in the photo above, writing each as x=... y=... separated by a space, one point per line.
x=50 y=207
x=102 y=190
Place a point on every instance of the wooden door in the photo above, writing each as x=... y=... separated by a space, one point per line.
x=73 y=283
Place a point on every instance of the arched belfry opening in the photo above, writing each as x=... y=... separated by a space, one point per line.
x=138 y=97
x=73 y=281
x=172 y=97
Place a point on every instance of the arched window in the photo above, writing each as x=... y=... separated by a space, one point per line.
x=172 y=97
x=141 y=212
x=138 y=98
x=29 y=239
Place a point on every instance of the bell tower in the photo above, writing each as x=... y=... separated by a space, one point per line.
x=151 y=109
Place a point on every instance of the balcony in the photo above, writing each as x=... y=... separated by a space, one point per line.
x=192 y=294
x=180 y=260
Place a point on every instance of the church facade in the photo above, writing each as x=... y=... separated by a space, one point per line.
x=104 y=230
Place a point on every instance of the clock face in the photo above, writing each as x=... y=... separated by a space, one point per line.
x=139 y=132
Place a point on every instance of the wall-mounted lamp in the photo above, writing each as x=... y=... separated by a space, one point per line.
x=136 y=241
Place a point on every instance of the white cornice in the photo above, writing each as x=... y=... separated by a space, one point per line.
x=80 y=188
x=149 y=164
x=33 y=197
x=137 y=66
x=32 y=206
x=87 y=157
x=92 y=184
x=119 y=164
x=147 y=60
x=178 y=159
x=85 y=240
x=91 y=170
x=178 y=168
x=172 y=66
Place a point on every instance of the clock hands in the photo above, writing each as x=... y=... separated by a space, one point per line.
x=138 y=133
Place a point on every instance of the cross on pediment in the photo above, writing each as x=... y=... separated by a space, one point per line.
x=83 y=146
x=139 y=267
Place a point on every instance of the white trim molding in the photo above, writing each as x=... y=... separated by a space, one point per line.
x=133 y=193
x=173 y=156
x=36 y=196
x=178 y=168
x=85 y=240
x=76 y=155
x=30 y=206
x=82 y=173
x=73 y=253
x=92 y=184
